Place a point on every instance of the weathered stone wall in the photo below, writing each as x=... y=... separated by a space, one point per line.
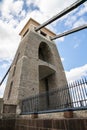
x=1 y=107
x=59 y=115
x=51 y=124
x=80 y=114
x=7 y=124
x=43 y=124
x=24 y=78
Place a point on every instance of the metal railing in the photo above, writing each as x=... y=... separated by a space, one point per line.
x=70 y=98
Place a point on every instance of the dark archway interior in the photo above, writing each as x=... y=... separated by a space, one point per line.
x=45 y=53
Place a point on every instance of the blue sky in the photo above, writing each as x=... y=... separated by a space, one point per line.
x=73 y=48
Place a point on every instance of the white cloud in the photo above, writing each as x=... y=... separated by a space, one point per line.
x=49 y=8
x=16 y=7
x=61 y=39
x=35 y=2
x=76 y=45
x=2 y=89
x=76 y=73
x=54 y=6
x=9 y=35
x=37 y=15
x=11 y=7
x=62 y=59
x=70 y=20
x=4 y=66
x=83 y=10
x=79 y=22
x=77 y=42
x=73 y=19
x=23 y=13
x=5 y=7
x=9 y=41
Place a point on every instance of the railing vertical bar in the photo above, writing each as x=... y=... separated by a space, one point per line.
x=71 y=93
x=83 y=92
x=74 y=97
x=65 y=98
x=79 y=93
x=85 y=88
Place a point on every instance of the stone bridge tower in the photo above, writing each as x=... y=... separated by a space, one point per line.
x=36 y=67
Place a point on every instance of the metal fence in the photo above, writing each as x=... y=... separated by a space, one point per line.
x=72 y=97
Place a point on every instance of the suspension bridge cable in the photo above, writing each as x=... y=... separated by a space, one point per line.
x=70 y=32
x=5 y=76
x=61 y=14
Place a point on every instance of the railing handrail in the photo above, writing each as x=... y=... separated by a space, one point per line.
x=71 y=97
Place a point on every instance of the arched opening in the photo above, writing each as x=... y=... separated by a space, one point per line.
x=46 y=72
x=45 y=53
x=46 y=69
